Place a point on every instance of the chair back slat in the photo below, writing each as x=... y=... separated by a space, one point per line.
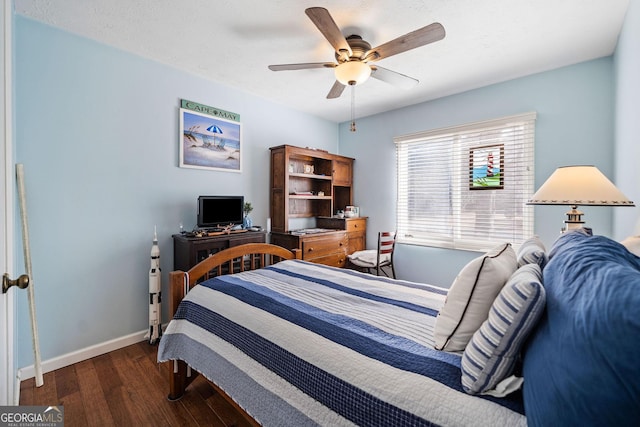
x=386 y=245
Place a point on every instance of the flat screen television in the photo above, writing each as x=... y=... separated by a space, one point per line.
x=220 y=211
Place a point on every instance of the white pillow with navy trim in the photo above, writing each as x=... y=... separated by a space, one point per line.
x=470 y=297
x=493 y=350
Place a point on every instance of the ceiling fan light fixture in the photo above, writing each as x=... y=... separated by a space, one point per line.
x=352 y=72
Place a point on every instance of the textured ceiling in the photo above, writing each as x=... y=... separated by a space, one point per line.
x=233 y=42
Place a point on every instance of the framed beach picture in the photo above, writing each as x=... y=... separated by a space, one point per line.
x=209 y=141
x=486 y=167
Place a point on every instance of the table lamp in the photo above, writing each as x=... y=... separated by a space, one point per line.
x=578 y=185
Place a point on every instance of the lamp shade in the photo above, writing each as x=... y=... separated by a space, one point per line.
x=352 y=72
x=579 y=185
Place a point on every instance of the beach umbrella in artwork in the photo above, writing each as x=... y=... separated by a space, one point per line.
x=214 y=129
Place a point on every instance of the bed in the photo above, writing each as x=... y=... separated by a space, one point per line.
x=295 y=343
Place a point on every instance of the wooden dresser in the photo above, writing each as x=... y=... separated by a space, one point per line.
x=356 y=229
x=330 y=247
x=342 y=236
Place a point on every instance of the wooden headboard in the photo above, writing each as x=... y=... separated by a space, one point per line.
x=250 y=256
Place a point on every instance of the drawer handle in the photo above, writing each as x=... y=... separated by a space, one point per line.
x=310 y=249
x=341 y=244
x=355 y=225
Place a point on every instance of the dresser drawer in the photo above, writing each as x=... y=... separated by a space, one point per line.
x=338 y=259
x=356 y=224
x=316 y=246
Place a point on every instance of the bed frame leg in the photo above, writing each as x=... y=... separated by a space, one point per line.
x=178 y=380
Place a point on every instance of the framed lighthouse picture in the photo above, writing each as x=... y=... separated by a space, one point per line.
x=486 y=167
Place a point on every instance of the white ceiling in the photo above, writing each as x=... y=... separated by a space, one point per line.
x=233 y=41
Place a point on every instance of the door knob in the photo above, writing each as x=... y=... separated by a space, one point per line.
x=21 y=282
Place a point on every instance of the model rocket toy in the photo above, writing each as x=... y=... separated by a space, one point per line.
x=155 y=293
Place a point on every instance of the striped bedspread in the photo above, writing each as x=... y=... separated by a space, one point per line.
x=305 y=344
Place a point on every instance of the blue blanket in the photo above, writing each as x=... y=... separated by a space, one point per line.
x=582 y=366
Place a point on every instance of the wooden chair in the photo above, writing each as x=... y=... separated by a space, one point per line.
x=377 y=258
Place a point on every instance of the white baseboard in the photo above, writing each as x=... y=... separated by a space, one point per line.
x=82 y=354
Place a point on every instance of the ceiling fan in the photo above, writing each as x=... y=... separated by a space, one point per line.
x=354 y=56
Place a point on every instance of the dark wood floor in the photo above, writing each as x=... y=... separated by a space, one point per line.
x=127 y=387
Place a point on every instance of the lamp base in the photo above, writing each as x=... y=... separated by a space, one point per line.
x=574 y=219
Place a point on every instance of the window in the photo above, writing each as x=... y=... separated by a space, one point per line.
x=465 y=187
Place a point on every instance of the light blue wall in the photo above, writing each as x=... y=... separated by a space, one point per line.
x=627 y=123
x=574 y=126
x=97 y=132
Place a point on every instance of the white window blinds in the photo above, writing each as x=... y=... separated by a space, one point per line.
x=465 y=187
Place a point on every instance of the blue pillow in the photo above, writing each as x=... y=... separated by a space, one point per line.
x=582 y=363
x=494 y=349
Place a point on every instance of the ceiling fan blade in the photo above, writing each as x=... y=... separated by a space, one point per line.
x=304 y=66
x=336 y=90
x=327 y=26
x=393 y=77
x=420 y=37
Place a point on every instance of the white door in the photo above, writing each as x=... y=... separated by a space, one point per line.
x=7 y=315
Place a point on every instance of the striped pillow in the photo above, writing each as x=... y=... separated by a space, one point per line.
x=493 y=350
x=532 y=251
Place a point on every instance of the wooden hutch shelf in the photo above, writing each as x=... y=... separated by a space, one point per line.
x=309 y=176
x=310 y=197
x=308 y=183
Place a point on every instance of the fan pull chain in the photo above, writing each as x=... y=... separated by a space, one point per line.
x=353 y=107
